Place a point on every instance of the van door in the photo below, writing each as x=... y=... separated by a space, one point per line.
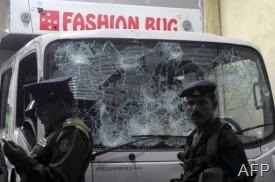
x=25 y=124
x=4 y=120
x=5 y=85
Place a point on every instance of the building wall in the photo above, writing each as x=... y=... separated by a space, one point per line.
x=211 y=13
x=252 y=20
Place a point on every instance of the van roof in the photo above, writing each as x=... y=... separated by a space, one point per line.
x=155 y=35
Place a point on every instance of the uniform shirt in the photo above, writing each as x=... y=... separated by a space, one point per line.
x=62 y=156
x=230 y=154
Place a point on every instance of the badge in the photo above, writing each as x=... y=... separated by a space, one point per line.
x=43 y=142
x=65 y=145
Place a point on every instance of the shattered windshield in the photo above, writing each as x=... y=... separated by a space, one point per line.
x=125 y=88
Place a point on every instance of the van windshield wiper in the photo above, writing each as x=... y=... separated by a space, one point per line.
x=119 y=146
x=160 y=136
x=253 y=127
x=140 y=138
x=166 y=140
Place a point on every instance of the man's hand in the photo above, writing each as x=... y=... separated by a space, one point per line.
x=14 y=153
x=17 y=156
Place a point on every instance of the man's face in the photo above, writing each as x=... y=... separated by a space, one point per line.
x=200 y=109
x=47 y=112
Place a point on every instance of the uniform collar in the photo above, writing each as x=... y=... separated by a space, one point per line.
x=212 y=125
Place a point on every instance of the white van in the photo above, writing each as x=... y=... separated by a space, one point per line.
x=126 y=83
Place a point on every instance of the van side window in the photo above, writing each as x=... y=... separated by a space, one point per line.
x=27 y=74
x=5 y=85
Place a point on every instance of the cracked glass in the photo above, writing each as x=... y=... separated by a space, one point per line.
x=125 y=88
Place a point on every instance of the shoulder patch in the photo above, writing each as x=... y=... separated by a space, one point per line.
x=78 y=123
x=64 y=145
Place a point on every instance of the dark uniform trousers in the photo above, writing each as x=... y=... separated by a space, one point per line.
x=63 y=156
x=230 y=155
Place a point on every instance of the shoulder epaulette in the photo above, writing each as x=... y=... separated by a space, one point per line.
x=78 y=123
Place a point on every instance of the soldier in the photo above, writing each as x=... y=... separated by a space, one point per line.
x=64 y=153
x=213 y=151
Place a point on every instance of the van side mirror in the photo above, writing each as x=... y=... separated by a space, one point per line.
x=257 y=95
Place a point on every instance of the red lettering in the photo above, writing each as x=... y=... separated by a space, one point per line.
x=90 y=22
x=172 y=24
x=67 y=18
x=158 y=23
x=78 y=22
x=133 y=22
x=161 y=24
x=121 y=20
x=164 y=24
x=149 y=23
x=112 y=21
x=102 y=20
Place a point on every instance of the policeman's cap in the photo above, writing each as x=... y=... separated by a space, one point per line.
x=198 y=88
x=52 y=88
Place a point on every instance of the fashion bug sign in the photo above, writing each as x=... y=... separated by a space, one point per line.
x=50 y=20
x=77 y=16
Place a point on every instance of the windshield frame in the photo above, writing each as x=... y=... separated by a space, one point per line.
x=264 y=140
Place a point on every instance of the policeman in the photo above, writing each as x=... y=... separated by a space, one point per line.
x=63 y=155
x=213 y=151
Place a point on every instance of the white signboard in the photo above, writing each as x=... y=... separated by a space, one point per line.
x=54 y=16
